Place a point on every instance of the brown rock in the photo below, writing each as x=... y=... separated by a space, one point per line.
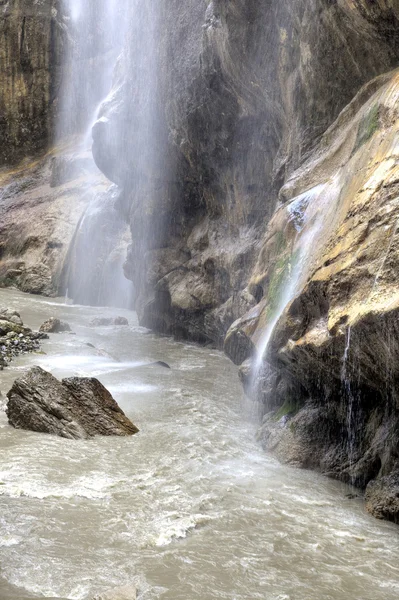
x=76 y=408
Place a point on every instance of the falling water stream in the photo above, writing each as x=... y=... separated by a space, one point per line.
x=312 y=214
x=190 y=508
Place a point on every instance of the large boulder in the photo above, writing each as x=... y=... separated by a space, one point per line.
x=75 y=408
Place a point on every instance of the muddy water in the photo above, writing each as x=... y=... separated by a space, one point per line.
x=190 y=508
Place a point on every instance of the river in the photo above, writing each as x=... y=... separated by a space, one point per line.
x=191 y=507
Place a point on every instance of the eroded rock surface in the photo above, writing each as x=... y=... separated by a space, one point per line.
x=241 y=106
x=75 y=408
x=382 y=498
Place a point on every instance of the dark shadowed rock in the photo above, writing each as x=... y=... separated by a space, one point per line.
x=107 y=321
x=160 y=363
x=76 y=408
x=382 y=498
x=54 y=325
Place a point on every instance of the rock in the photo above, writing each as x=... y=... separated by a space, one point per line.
x=382 y=497
x=54 y=325
x=16 y=339
x=76 y=408
x=7 y=327
x=123 y=593
x=160 y=363
x=108 y=321
x=13 y=316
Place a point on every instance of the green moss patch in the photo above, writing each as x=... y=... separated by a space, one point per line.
x=367 y=127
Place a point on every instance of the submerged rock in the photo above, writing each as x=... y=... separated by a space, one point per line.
x=54 y=325
x=107 y=321
x=75 y=408
x=160 y=363
x=127 y=592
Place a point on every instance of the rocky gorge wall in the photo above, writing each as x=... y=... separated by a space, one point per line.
x=263 y=102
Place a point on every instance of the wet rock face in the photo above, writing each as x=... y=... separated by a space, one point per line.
x=264 y=102
x=241 y=105
x=334 y=345
x=31 y=39
x=76 y=408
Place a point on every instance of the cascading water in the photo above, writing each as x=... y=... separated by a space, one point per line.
x=309 y=213
x=95 y=37
x=94 y=274
x=350 y=401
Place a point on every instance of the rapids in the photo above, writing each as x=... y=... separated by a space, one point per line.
x=191 y=507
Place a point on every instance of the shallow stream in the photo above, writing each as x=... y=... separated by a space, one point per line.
x=190 y=508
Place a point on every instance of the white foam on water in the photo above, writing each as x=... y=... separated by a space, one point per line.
x=175 y=528
x=16 y=484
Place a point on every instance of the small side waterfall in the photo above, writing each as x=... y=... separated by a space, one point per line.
x=309 y=213
x=350 y=401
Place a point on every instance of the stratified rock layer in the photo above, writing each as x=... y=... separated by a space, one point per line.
x=76 y=408
x=31 y=38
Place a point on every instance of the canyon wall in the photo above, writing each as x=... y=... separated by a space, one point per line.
x=261 y=103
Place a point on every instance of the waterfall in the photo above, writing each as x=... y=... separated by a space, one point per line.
x=94 y=273
x=349 y=398
x=95 y=34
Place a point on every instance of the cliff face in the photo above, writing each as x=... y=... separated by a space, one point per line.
x=238 y=108
x=31 y=39
x=271 y=202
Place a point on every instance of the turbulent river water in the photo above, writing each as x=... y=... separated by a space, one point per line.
x=190 y=508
